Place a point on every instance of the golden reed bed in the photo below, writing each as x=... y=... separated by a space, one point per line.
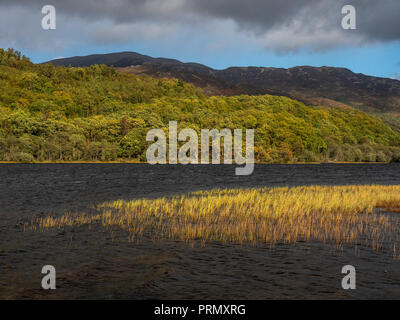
x=337 y=215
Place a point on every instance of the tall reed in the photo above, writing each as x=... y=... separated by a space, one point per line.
x=332 y=214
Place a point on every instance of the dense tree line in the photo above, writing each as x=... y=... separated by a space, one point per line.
x=52 y=113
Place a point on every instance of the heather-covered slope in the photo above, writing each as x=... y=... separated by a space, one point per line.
x=316 y=86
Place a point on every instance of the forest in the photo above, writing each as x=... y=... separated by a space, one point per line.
x=50 y=113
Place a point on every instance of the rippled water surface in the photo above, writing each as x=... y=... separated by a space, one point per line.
x=95 y=264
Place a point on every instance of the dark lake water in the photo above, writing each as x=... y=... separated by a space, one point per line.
x=92 y=263
x=31 y=188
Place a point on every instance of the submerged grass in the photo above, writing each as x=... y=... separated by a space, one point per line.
x=337 y=215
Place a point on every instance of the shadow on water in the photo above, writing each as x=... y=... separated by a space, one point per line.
x=33 y=188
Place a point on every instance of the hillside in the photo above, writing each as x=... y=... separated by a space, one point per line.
x=315 y=86
x=50 y=113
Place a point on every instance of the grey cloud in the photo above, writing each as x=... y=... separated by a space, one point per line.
x=275 y=24
x=20 y=28
x=376 y=20
x=254 y=13
x=379 y=20
x=115 y=10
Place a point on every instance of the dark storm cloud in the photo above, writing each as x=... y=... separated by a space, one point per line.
x=277 y=24
x=117 y=10
x=376 y=20
x=255 y=13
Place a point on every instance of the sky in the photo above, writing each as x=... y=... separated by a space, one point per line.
x=217 y=33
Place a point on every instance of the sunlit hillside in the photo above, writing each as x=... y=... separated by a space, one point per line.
x=52 y=113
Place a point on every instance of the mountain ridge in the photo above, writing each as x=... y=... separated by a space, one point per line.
x=329 y=86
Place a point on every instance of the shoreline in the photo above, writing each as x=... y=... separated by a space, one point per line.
x=139 y=162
